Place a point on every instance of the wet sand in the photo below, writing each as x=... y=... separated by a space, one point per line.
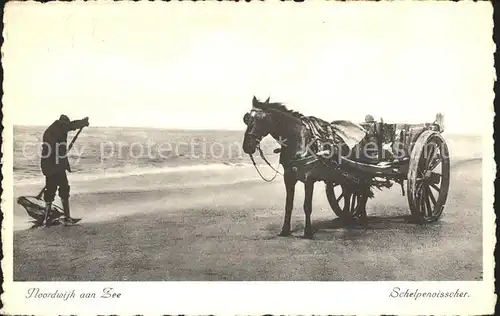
x=223 y=225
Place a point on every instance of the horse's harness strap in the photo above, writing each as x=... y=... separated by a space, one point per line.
x=307 y=160
x=313 y=126
x=268 y=163
x=260 y=174
x=321 y=130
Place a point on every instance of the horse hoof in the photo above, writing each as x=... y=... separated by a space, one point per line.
x=308 y=234
x=284 y=234
x=363 y=222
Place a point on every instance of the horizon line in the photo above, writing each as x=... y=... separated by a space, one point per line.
x=474 y=133
x=141 y=126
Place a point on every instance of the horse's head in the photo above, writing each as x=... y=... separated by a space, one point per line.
x=259 y=124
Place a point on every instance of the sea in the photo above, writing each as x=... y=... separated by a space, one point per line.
x=115 y=151
x=111 y=151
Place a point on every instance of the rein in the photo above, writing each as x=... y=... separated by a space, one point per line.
x=267 y=162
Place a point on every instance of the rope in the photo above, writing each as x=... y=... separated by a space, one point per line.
x=264 y=158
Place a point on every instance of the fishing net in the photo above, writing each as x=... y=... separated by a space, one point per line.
x=35 y=207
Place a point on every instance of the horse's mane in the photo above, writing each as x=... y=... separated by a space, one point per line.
x=279 y=107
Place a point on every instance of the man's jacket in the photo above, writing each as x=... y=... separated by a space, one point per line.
x=54 y=147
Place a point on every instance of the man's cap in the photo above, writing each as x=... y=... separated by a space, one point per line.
x=64 y=118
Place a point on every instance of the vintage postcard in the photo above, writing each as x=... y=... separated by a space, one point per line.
x=248 y=158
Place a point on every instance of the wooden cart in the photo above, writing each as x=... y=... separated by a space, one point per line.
x=423 y=163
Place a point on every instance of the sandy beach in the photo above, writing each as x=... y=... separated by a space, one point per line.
x=221 y=223
x=167 y=109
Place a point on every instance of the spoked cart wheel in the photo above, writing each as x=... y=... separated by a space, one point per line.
x=428 y=177
x=344 y=204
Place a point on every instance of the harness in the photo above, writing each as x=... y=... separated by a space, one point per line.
x=322 y=133
x=331 y=164
x=321 y=130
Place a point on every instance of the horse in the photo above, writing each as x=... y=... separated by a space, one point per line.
x=299 y=158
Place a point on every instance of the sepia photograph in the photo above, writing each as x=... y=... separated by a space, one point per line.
x=338 y=143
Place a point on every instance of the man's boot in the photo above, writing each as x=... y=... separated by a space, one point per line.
x=67 y=218
x=48 y=208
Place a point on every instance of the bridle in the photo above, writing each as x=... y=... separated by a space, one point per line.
x=303 y=159
x=253 y=113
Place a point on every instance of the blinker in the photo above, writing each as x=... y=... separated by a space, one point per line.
x=246 y=118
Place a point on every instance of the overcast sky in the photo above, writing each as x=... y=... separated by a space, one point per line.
x=197 y=65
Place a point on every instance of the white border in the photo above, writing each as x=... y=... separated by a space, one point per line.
x=251 y=297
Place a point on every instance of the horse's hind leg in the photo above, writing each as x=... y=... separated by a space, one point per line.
x=363 y=218
x=309 y=189
x=348 y=193
x=290 y=182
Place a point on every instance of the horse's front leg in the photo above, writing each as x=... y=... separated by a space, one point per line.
x=309 y=188
x=290 y=181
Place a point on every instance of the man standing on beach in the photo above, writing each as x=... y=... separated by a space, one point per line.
x=54 y=163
